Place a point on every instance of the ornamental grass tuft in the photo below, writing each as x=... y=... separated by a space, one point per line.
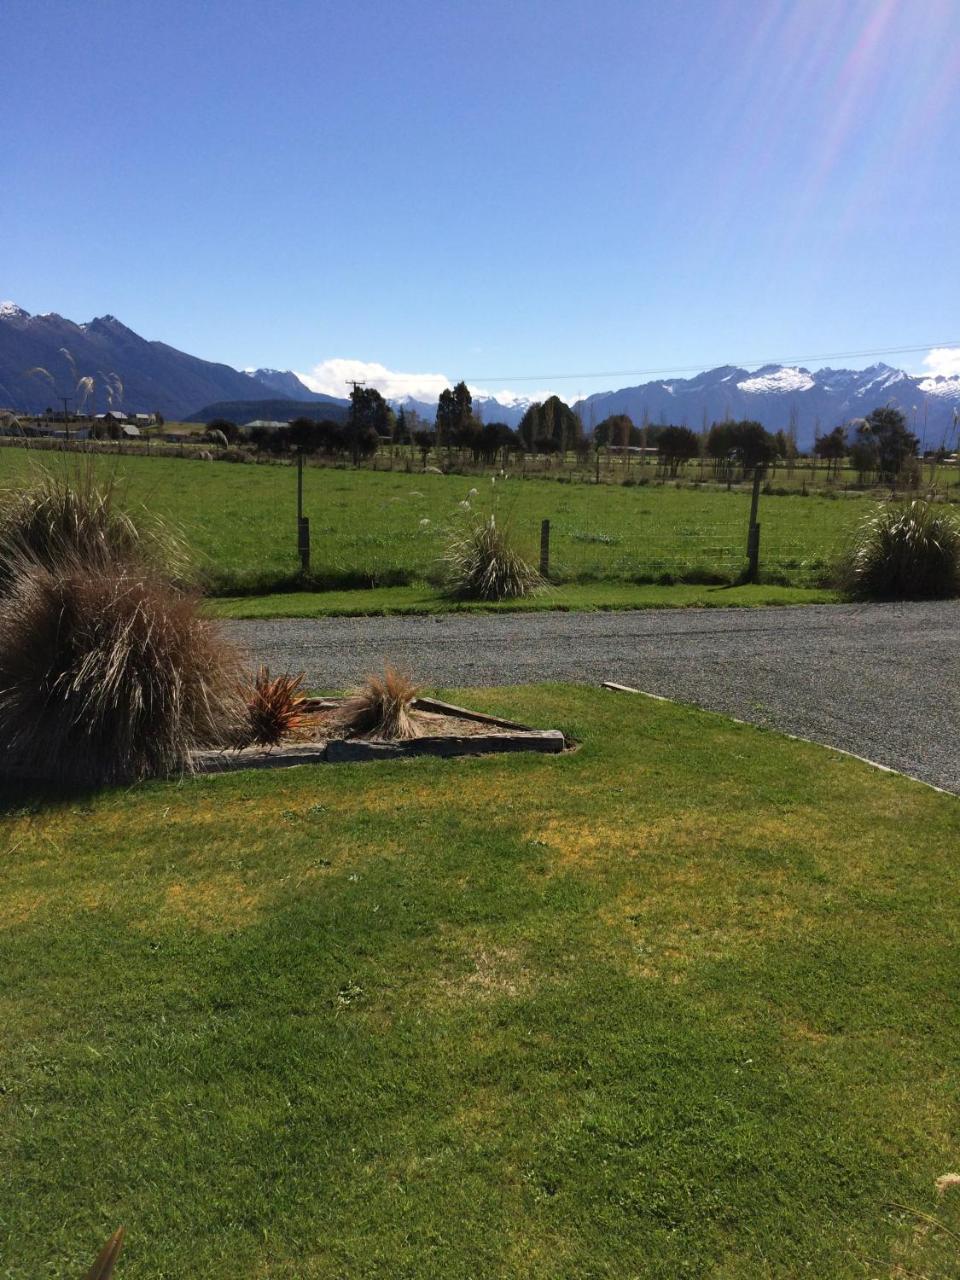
x=482 y=564
x=76 y=517
x=904 y=552
x=382 y=707
x=109 y=674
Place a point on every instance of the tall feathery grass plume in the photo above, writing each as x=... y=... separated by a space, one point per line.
x=903 y=552
x=109 y=674
x=77 y=517
x=481 y=563
x=382 y=707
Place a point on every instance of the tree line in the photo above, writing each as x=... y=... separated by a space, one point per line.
x=880 y=443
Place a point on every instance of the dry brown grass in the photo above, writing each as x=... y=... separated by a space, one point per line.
x=382 y=707
x=220 y=903
x=274 y=708
x=108 y=674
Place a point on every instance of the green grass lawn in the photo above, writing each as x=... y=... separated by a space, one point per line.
x=681 y=1003
x=367 y=527
x=378 y=601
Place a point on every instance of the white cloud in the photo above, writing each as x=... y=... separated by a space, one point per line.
x=333 y=378
x=943 y=362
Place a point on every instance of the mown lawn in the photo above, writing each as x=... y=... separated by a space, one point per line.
x=367 y=527
x=682 y=1003
x=380 y=601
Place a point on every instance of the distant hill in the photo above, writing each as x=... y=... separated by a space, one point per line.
x=243 y=411
x=104 y=365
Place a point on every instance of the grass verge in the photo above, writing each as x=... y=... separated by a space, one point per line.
x=680 y=1003
x=381 y=601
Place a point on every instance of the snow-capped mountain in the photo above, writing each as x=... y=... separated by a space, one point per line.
x=487 y=408
x=510 y=411
x=781 y=396
x=285 y=383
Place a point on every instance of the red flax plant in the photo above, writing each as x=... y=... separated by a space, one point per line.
x=274 y=708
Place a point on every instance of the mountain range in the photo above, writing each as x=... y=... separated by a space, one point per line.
x=781 y=396
x=487 y=408
x=103 y=365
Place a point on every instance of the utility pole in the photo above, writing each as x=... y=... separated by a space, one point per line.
x=303 y=522
x=66 y=424
x=355 y=428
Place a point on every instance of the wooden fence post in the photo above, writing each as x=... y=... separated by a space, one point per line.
x=303 y=543
x=753 y=529
x=544 y=548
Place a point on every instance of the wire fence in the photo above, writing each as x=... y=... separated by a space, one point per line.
x=388 y=526
x=681 y=552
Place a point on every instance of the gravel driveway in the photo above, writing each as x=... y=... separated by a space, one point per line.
x=882 y=681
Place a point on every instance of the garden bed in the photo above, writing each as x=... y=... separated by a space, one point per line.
x=443 y=730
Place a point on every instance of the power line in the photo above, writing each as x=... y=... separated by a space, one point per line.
x=699 y=368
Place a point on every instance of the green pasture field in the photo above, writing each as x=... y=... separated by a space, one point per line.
x=388 y=529
x=680 y=1003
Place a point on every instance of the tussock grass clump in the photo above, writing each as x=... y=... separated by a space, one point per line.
x=62 y=518
x=274 y=708
x=381 y=708
x=109 y=675
x=482 y=564
x=904 y=552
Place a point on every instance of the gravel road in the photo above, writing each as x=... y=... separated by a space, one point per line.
x=882 y=681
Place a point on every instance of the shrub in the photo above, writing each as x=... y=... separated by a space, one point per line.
x=274 y=708
x=380 y=708
x=64 y=518
x=481 y=564
x=109 y=675
x=909 y=552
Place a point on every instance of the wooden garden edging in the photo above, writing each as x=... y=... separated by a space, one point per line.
x=512 y=737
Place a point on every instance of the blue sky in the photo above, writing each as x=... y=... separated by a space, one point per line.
x=490 y=190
